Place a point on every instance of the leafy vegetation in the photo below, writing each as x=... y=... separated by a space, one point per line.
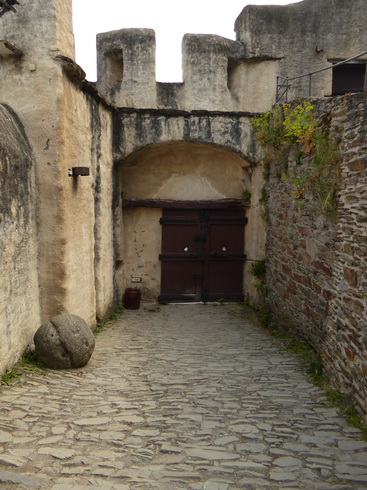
x=258 y=269
x=299 y=125
x=10 y=375
x=347 y=409
x=30 y=362
x=246 y=194
x=306 y=152
x=220 y=302
x=269 y=131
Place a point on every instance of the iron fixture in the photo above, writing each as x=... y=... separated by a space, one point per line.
x=78 y=171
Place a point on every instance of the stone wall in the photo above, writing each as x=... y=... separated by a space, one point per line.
x=301 y=38
x=19 y=298
x=87 y=253
x=346 y=329
x=68 y=125
x=317 y=266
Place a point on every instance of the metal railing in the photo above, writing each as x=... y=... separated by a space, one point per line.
x=283 y=82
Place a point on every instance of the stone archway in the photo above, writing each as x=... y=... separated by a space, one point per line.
x=173 y=174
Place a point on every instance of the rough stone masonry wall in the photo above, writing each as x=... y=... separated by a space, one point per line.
x=19 y=302
x=346 y=333
x=317 y=267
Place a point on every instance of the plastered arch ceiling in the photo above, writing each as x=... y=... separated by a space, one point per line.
x=183 y=171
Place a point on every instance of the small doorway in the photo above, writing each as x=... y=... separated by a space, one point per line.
x=202 y=254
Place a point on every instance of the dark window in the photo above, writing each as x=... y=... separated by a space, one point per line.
x=348 y=78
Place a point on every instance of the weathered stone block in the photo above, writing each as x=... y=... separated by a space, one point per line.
x=350 y=354
x=351 y=276
x=64 y=342
x=358 y=165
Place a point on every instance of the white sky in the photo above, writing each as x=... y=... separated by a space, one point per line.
x=170 y=19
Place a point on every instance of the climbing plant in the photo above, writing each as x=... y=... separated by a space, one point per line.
x=306 y=152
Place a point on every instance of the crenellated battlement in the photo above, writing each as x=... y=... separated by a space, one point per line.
x=211 y=78
x=126 y=71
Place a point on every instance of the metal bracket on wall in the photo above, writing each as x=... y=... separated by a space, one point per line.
x=7 y=5
x=78 y=171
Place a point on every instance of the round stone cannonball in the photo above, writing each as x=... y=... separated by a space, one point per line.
x=65 y=342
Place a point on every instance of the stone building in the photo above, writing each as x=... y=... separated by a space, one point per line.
x=129 y=182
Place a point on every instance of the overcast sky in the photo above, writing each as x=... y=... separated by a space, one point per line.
x=170 y=19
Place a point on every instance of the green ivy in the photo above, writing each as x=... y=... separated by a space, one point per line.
x=10 y=375
x=258 y=269
x=291 y=131
x=299 y=125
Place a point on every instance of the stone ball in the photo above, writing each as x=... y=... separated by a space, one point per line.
x=65 y=342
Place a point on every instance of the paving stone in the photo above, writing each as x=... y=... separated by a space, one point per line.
x=245 y=429
x=8 y=459
x=326 y=473
x=17 y=414
x=170 y=449
x=57 y=452
x=352 y=445
x=252 y=447
x=223 y=441
x=58 y=430
x=5 y=436
x=50 y=440
x=145 y=433
x=351 y=469
x=110 y=435
x=211 y=454
x=103 y=472
x=216 y=485
x=19 y=479
x=248 y=465
x=73 y=470
x=23 y=453
x=92 y=421
x=282 y=476
x=178 y=474
x=23 y=440
x=288 y=462
x=250 y=483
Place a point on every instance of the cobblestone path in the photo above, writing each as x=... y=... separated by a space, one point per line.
x=188 y=397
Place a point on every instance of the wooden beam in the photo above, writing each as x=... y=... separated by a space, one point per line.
x=176 y=204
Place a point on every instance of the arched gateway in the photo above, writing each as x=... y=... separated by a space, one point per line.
x=184 y=221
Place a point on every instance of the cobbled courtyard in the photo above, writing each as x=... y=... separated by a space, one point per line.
x=178 y=397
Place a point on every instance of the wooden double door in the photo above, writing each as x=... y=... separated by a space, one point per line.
x=202 y=254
